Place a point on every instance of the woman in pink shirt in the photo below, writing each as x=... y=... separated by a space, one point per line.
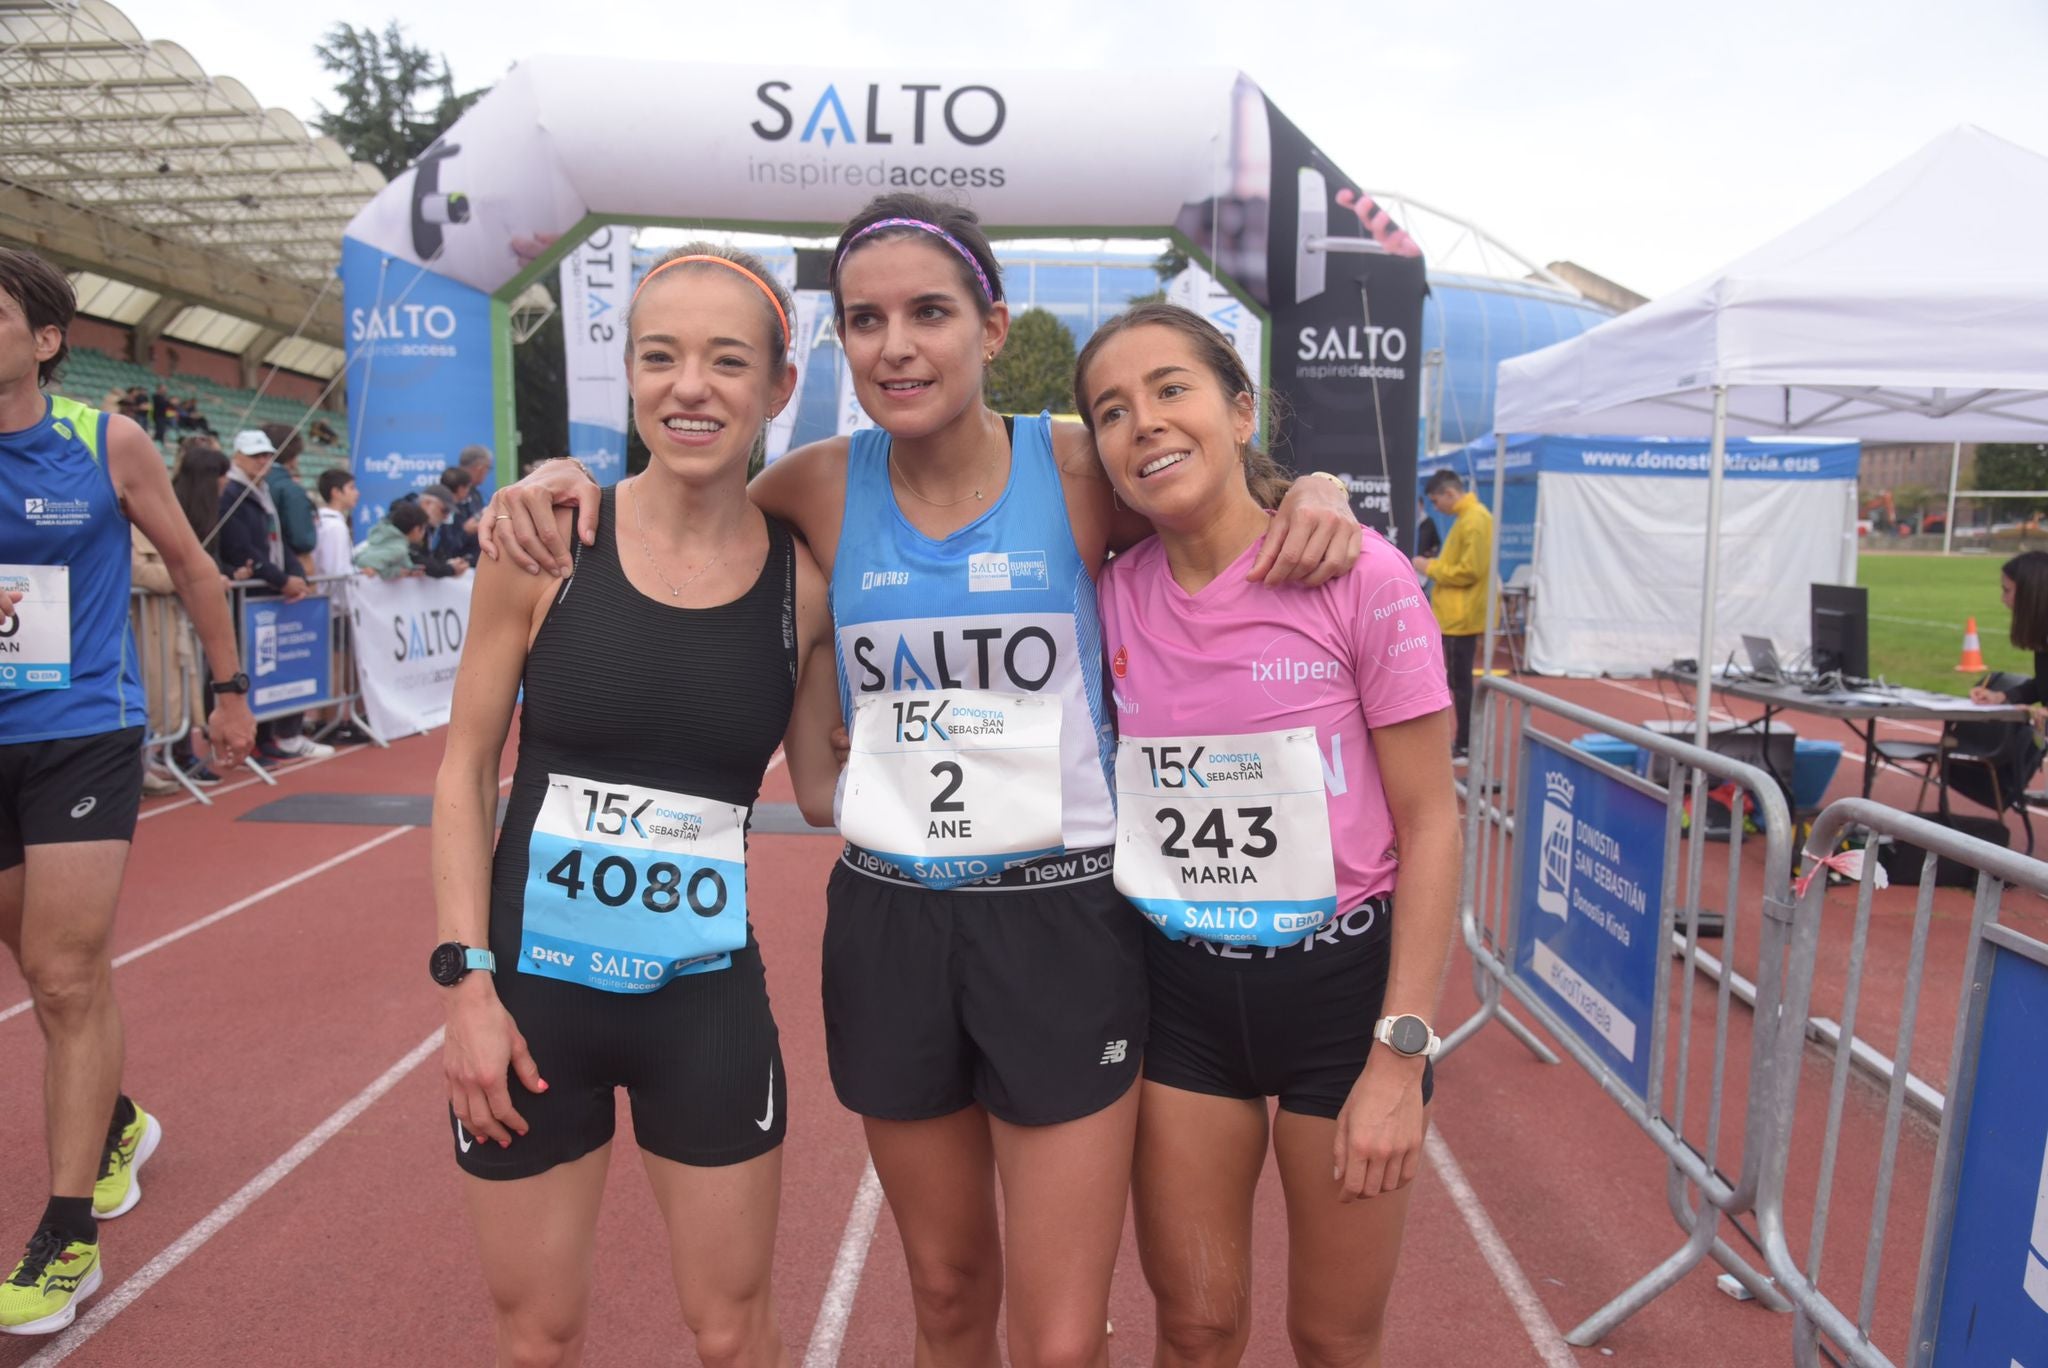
x=1283 y=780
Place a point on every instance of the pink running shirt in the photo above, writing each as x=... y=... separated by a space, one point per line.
x=1241 y=660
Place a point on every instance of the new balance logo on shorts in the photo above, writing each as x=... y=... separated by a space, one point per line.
x=1116 y=1051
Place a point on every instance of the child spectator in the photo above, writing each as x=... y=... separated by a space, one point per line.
x=388 y=551
x=334 y=546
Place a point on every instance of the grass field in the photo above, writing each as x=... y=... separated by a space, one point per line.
x=1917 y=607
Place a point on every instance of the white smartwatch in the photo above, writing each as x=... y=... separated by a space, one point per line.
x=1407 y=1035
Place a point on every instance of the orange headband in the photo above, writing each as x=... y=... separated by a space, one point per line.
x=759 y=283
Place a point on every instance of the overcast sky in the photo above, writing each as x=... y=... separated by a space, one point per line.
x=1647 y=141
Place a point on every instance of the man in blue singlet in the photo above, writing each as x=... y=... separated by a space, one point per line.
x=72 y=719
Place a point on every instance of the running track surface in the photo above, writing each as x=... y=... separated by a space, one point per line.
x=305 y=1208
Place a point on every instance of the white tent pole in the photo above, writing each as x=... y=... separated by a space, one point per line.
x=1500 y=468
x=1717 y=461
x=1948 y=524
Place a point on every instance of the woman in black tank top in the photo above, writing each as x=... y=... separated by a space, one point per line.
x=605 y=942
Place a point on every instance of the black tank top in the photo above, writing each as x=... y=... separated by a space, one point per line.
x=620 y=686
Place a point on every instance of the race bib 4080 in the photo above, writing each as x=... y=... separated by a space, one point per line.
x=1226 y=838
x=628 y=887
x=954 y=785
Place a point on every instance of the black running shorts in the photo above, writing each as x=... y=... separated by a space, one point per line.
x=1293 y=1023
x=699 y=1059
x=77 y=788
x=1027 y=996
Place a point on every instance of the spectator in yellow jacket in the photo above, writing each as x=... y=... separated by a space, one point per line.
x=1462 y=572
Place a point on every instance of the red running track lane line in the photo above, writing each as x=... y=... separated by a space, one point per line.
x=182 y=1248
x=1549 y=1345
x=243 y=904
x=239 y=905
x=835 y=1308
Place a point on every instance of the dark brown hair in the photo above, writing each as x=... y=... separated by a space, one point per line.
x=290 y=446
x=2028 y=572
x=45 y=296
x=1267 y=479
x=196 y=482
x=778 y=345
x=959 y=222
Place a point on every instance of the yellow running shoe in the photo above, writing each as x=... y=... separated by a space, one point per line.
x=42 y=1295
x=117 y=1192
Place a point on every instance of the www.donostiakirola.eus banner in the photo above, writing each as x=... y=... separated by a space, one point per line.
x=596 y=280
x=408 y=636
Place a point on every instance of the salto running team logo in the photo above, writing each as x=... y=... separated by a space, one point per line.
x=1554 y=851
x=971 y=114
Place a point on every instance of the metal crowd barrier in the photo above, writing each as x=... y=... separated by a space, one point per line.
x=1982 y=1279
x=173 y=671
x=1505 y=910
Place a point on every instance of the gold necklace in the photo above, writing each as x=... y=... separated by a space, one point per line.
x=674 y=590
x=924 y=497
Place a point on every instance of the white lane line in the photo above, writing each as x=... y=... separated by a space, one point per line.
x=239 y=905
x=223 y=913
x=280 y=772
x=210 y=1225
x=1542 y=1331
x=834 y=1309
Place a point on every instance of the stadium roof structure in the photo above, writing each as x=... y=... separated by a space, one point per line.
x=122 y=157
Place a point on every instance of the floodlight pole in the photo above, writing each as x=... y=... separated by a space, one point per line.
x=1717 y=462
x=1948 y=524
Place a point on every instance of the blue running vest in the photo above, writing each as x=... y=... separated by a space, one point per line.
x=58 y=507
x=1003 y=604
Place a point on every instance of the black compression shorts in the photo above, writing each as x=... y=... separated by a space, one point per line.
x=699 y=1058
x=1028 y=998
x=1293 y=1022
x=76 y=788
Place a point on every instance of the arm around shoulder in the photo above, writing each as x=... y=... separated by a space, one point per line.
x=807 y=745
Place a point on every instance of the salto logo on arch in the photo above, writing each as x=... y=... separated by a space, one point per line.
x=916 y=112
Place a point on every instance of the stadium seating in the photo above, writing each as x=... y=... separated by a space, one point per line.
x=88 y=375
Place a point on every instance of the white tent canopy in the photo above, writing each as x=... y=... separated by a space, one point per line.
x=1916 y=309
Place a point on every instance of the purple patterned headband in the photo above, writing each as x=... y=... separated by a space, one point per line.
x=980 y=275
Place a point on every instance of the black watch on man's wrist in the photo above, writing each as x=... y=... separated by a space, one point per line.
x=237 y=683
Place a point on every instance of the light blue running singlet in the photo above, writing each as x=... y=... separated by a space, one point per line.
x=1003 y=605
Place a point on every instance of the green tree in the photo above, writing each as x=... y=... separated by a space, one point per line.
x=1036 y=369
x=395 y=98
x=2011 y=465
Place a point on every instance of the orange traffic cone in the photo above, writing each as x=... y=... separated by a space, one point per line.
x=1973 y=652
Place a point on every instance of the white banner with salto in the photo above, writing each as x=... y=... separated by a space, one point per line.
x=408 y=642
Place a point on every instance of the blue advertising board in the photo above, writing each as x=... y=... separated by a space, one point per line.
x=419 y=375
x=1994 y=1282
x=1589 y=901
x=285 y=647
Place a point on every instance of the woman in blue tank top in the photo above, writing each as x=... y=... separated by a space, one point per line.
x=984 y=983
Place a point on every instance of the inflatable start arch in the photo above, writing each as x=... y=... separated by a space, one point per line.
x=1322 y=294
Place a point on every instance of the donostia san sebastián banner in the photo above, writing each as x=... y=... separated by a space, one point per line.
x=1034 y=153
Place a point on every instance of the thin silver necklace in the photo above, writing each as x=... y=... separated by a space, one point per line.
x=674 y=590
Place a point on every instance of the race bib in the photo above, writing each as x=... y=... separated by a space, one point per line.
x=629 y=887
x=35 y=643
x=953 y=785
x=1226 y=838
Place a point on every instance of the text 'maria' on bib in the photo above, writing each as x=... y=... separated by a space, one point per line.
x=1226 y=838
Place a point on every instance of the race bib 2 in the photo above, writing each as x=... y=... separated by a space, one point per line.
x=954 y=785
